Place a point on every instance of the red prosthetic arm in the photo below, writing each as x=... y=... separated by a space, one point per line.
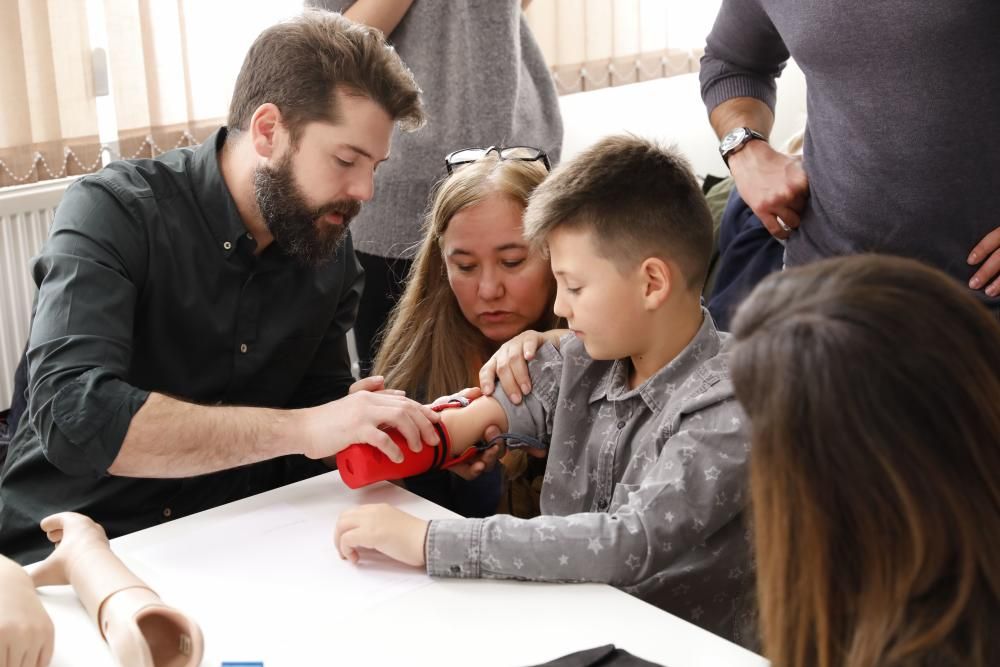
x=361 y=464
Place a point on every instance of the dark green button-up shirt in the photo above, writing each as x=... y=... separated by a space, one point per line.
x=148 y=282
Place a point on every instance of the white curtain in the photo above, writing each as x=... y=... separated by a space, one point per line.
x=598 y=43
x=90 y=79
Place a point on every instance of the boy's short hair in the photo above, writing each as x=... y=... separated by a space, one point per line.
x=639 y=199
x=299 y=65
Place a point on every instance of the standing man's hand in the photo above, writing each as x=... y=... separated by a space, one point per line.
x=986 y=253
x=363 y=416
x=774 y=185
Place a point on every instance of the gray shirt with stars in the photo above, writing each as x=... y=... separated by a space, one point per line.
x=644 y=488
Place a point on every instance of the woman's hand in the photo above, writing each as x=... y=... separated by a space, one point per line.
x=510 y=363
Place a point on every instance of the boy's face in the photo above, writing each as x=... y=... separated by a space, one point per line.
x=603 y=306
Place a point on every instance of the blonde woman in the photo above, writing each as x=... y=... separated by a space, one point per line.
x=475 y=283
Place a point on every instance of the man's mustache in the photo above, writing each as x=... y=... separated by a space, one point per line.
x=347 y=208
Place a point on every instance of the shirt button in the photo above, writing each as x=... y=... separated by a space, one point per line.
x=227 y=245
x=621 y=424
x=243 y=348
x=167 y=512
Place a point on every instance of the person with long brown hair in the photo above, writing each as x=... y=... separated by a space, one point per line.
x=475 y=284
x=873 y=389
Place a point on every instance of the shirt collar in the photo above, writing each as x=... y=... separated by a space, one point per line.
x=658 y=389
x=214 y=197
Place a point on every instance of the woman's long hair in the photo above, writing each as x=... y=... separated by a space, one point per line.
x=873 y=389
x=429 y=348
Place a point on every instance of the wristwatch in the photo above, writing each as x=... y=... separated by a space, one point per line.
x=737 y=139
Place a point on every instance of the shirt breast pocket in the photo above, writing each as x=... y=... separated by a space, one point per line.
x=623 y=494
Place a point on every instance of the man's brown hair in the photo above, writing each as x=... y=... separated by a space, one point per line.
x=299 y=64
x=639 y=199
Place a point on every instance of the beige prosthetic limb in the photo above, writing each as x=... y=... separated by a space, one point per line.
x=139 y=628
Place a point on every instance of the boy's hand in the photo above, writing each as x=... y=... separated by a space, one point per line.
x=510 y=363
x=384 y=528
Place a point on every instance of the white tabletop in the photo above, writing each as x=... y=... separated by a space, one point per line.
x=263 y=580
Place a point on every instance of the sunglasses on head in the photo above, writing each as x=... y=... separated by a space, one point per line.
x=456 y=159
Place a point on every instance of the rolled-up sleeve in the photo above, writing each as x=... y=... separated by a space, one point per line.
x=744 y=54
x=88 y=275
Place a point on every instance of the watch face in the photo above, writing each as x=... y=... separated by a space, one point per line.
x=733 y=139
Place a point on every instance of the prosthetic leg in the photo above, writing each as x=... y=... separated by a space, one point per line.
x=140 y=629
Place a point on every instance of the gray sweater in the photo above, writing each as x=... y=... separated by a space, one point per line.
x=484 y=82
x=903 y=142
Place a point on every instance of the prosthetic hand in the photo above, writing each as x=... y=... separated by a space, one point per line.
x=361 y=464
x=140 y=629
x=460 y=433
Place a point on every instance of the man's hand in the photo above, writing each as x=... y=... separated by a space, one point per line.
x=384 y=528
x=361 y=416
x=986 y=252
x=27 y=636
x=374 y=384
x=510 y=363
x=772 y=184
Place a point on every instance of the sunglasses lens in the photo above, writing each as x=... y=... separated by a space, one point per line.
x=467 y=155
x=520 y=153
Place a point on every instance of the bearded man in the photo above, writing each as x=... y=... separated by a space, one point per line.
x=188 y=343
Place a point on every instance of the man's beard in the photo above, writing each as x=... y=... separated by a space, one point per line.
x=292 y=222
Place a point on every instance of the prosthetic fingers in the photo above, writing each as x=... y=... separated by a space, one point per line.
x=140 y=629
x=361 y=464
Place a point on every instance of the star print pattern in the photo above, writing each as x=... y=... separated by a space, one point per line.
x=644 y=488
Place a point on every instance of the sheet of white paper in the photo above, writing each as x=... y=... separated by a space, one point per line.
x=280 y=553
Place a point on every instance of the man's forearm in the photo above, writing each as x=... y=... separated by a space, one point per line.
x=168 y=438
x=382 y=14
x=742 y=112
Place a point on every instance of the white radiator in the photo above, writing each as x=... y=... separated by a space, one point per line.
x=25 y=215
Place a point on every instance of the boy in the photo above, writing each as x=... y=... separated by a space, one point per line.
x=645 y=481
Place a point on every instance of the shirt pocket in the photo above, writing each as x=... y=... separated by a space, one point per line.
x=622 y=496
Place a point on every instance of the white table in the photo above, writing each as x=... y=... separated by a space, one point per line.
x=263 y=580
